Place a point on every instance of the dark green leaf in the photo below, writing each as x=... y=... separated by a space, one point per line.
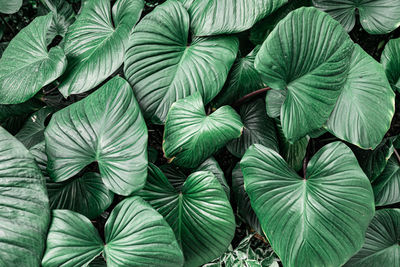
x=387 y=185
x=390 y=60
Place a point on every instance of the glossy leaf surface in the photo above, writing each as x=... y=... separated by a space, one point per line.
x=390 y=60
x=324 y=216
x=211 y=17
x=26 y=65
x=96 y=42
x=376 y=16
x=381 y=247
x=24 y=215
x=198 y=212
x=190 y=136
x=10 y=6
x=106 y=127
x=307 y=55
x=387 y=185
x=365 y=108
x=162 y=66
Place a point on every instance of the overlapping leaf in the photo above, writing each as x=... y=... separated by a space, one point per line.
x=24 y=215
x=318 y=220
x=26 y=65
x=190 y=136
x=96 y=42
x=106 y=127
x=387 y=185
x=162 y=65
x=197 y=210
x=10 y=6
x=390 y=60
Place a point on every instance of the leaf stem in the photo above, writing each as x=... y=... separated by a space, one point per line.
x=251 y=95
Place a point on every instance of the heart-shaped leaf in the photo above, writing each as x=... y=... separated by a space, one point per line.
x=190 y=136
x=381 y=247
x=318 y=220
x=198 y=211
x=135 y=235
x=32 y=132
x=95 y=43
x=26 y=65
x=24 y=215
x=210 y=17
x=390 y=60
x=106 y=127
x=162 y=65
x=307 y=55
x=387 y=185
x=258 y=129
x=376 y=16
x=365 y=108
x=10 y=6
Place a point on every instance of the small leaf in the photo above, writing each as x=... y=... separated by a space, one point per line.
x=10 y=6
x=106 y=127
x=318 y=220
x=376 y=16
x=365 y=108
x=381 y=247
x=258 y=129
x=390 y=60
x=387 y=185
x=190 y=136
x=24 y=207
x=94 y=47
x=307 y=55
x=162 y=65
x=26 y=65
x=211 y=17
x=198 y=212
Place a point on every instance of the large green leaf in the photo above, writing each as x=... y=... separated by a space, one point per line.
x=32 y=132
x=95 y=43
x=26 y=65
x=365 y=108
x=24 y=210
x=307 y=55
x=210 y=17
x=387 y=185
x=376 y=16
x=242 y=79
x=135 y=235
x=318 y=220
x=390 y=60
x=190 y=136
x=198 y=211
x=162 y=65
x=381 y=247
x=258 y=129
x=10 y=6
x=106 y=127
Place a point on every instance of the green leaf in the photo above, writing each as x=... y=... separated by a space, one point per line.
x=198 y=212
x=258 y=129
x=26 y=65
x=244 y=209
x=387 y=185
x=72 y=240
x=381 y=247
x=274 y=101
x=365 y=108
x=106 y=127
x=19 y=110
x=211 y=17
x=212 y=166
x=190 y=136
x=319 y=220
x=390 y=60
x=85 y=194
x=24 y=215
x=294 y=153
x=307 y=55
x=32 y=132
x=94 y=47
x=162 y=65
x=242 y=80
x=10 y=6
x=376 y=16
x=135 y=235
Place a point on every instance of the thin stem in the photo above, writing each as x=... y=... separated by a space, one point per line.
x=305 y=167
x=397 y=154
x=251 y=95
